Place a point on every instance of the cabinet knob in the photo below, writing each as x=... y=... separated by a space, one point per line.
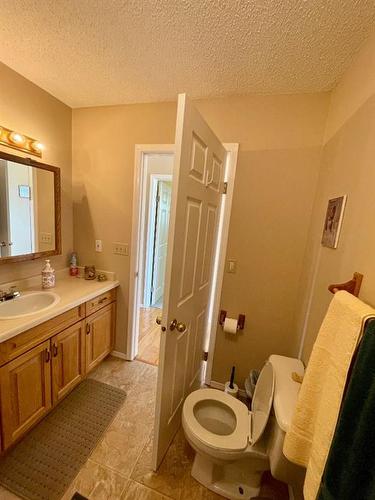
x=88 y=328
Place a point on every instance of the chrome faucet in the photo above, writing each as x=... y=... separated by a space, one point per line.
x=12 y=293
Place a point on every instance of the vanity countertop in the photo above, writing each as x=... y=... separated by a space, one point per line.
x=72 y=291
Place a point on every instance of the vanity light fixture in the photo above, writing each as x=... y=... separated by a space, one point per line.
x=15 y=140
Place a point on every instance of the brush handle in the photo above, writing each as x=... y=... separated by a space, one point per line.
x=232 y=377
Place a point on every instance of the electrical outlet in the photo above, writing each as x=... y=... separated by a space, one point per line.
x=46 y=238
x=121 y=249
x=98 y=246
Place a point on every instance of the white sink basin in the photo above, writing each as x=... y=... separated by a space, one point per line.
x=28 y=303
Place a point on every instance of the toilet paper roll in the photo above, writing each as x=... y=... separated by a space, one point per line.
x=231 y=391
x=230 y=325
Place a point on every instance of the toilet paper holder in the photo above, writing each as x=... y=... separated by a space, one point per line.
x=241 y=319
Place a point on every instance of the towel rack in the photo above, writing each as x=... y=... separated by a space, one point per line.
x=353 y=286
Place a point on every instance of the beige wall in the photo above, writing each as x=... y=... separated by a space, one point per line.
x=280 y=139
x=347 y=168
x=103 y=159
x=28 y=109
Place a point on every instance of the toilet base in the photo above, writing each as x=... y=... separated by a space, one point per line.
x=237 y=480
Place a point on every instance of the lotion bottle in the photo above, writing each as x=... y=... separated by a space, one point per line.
x=48 y=276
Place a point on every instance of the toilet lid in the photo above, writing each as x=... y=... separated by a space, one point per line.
x=262 y=401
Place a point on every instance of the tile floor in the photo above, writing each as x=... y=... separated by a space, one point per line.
x=120 y=466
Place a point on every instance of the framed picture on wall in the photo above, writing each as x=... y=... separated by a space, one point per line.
x=333 y=221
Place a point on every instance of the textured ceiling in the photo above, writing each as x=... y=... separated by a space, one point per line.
x=95 y=52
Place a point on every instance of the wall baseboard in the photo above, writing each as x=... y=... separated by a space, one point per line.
x=121 y=355
x=220 y=386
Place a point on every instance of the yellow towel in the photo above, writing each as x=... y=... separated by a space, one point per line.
x=308 y=440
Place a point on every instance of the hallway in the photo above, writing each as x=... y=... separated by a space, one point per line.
x=149 y=335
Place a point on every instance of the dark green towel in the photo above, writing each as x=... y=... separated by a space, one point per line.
x=350 y=470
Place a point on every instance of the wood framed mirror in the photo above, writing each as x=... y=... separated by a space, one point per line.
x=30 y=209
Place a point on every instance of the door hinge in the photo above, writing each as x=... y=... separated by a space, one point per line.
x=225 y=188
x=205 y=355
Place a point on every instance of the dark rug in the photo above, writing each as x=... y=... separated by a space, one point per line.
x=45 y=462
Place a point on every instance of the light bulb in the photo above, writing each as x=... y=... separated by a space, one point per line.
x=37 y=146
x=16 y=138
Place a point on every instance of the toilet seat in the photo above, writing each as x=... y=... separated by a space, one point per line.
x=234 y=427
x=236 y=440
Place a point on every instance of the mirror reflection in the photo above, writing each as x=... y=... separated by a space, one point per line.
x=27 y=209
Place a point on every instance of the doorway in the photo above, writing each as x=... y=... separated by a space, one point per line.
x=155 y=203
x=201 y=199
x=145 y=156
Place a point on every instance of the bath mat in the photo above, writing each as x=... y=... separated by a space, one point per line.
x=45 y=462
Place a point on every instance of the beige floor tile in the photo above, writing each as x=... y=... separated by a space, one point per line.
x=128 y=433
x=125 y=374
x=138 y=408
x=136 y=491
x=170 y=477
x=108 y=484
x=121 y=446
x=97 y=482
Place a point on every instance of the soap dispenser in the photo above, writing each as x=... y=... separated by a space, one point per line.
x=48 y=276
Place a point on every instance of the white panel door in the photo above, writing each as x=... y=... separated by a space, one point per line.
x=20 y=209
x=161 y=240
x=196 y=197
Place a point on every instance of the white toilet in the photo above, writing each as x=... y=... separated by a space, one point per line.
x=233 y=445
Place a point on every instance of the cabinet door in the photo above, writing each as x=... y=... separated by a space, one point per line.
x=68 y=360
x=25 y=386
x=99 y=335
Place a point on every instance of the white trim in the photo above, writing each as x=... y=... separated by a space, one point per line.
x=220 y=255
x=221 y=387
x=154 y=178
x=118 y=354
x=137 y=240
x=137 y=244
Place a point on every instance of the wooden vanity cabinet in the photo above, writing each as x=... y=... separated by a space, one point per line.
x=39 y=367
x=68 y=360
x=99 y=335
x=25 y=385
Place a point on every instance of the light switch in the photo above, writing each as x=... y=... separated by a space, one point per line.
x=232 y=266
x=98 y=246
x=121 y=249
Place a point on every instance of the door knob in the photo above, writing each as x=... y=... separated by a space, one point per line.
x=181 y=327
x=158 y=320
x=175 y=325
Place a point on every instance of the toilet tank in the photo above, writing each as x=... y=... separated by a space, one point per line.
x=284 y=403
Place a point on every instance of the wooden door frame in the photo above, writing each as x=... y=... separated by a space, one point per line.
x=137 y=242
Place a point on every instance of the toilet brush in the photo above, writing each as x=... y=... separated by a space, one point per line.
x=232 y=377
x=230 y=387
